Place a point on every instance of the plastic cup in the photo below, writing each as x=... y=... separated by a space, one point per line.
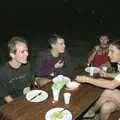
x=104 y=68
x=67 y=98
x=91 y=71
x=56 y=93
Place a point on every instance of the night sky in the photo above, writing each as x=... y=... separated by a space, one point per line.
x=58 y=15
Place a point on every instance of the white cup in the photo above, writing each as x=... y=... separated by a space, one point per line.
x=67 y=97
x=56 y=93
x=91 y=71
x=104 y=68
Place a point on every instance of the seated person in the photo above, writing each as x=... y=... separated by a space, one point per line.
x=54 y=61
x=15 y=74
x=99 y=54
x=109 y=101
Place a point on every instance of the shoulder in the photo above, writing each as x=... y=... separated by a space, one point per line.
x=5 y=66
x=65 y=54
x=4 y=70
x=44 y=52
x=97 y=47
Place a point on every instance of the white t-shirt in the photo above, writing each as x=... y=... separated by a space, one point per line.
x=118 y=67
x=117 y=77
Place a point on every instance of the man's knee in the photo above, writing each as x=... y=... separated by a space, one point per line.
x=107 y=92
x=108 y=107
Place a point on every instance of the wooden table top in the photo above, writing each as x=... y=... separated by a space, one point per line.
x=81 y=99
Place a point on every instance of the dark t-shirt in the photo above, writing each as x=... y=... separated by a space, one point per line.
x=45 y=64
x=13 y=81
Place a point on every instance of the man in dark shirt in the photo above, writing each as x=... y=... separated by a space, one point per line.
x=54 y=61
x=15 y=74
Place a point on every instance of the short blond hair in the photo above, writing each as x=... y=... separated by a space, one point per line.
x=13 y=41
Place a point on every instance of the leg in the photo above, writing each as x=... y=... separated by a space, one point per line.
x=109 y=102
x=106 y=109
x=103 y=98
x=109 y=95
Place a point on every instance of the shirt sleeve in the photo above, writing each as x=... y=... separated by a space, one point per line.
x=41 y=70
x=3 y=84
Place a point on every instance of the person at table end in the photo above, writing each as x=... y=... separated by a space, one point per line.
x=15 y=74
x=109 y=101
x=99 y=54
x=54 y=61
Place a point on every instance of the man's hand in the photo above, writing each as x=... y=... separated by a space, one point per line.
x=108 y=75
x=82 y=79
x=26 y=90
x=8 y=99
x=59 y=64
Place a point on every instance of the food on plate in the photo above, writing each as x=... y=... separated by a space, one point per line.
x=58 y=85
x=57 y=116
x=60 y=81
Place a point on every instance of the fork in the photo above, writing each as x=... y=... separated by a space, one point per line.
x=63 y=109
x=36 y=96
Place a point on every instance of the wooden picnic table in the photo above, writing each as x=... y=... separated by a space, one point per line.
x=82 y=98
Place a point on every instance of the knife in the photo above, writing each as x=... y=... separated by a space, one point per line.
x=35 y=96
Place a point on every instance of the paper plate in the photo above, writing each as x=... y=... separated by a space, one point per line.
x=61 y=78
x=51 y=114
x=39 y=98
x=93 y=69
x=72 y=85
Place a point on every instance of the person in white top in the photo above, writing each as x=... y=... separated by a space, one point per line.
x=109 y=100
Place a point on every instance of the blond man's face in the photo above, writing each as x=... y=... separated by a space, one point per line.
x=59 y=45
x=21 y=53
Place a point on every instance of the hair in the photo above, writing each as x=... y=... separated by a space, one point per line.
x=13 y=41
x=103 y=34
x=116 y=43
x=53 y=39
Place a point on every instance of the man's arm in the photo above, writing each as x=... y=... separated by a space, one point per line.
x=68 y=67
x=92 y=54
x=8 y=99
x=110 y=84
x=40 y=69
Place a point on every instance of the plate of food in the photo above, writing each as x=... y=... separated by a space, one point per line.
x=72 y=85
x=61 y=78
x=36 y=96
x=92 y=69
x=58 y=114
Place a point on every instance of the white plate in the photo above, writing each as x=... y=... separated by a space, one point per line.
x=94 y=69
x=73 y=85
x=66 y=114
x=61 y=78
x=43 y=96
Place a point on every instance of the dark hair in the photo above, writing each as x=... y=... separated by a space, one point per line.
x=116 y=43
x=53 y=39
x=103 y=34
x=13 y=41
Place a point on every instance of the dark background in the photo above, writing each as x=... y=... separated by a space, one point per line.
x=78 y=21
